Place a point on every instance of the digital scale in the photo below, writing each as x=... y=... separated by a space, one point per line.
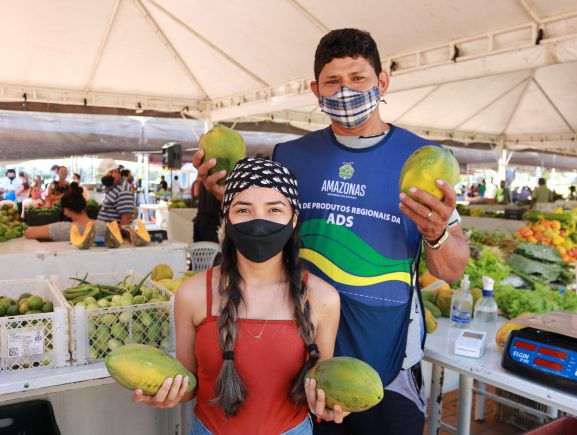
x=545 y=350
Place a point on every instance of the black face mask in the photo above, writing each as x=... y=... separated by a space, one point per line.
x=11 y=178
x=259 y=240
x=107 y=181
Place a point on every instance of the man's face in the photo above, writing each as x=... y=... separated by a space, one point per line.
x=354 y=73
x=62 y=173
x=115 y=173
x=11 y=175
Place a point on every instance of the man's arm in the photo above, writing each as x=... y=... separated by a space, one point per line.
x=432 y=216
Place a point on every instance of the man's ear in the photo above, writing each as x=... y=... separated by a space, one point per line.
x=383 y=82
x=315 y=88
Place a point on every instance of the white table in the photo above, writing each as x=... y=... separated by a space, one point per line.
x=492 y=224
x=21 y=258
x=486 y=369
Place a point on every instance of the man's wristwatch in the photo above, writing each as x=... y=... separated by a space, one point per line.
x=439 y=242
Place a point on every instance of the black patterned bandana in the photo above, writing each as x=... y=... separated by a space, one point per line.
x=254 y=172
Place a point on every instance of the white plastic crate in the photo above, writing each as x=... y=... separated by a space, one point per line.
x=34 y=340
x=94 y=331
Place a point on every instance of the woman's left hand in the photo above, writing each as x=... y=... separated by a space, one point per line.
x=316 y=401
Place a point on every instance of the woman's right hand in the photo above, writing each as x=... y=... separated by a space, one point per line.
x=168 y=395
x=210 y=181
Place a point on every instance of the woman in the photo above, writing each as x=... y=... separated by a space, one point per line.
x=74 y=207
x=34 y=199
x=23 y=191
x=251 y=328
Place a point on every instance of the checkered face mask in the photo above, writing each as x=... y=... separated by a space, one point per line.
x=351 y=108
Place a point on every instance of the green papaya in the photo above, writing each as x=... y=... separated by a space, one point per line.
x=430 y=296
x=349 y=382
x=435 y=311
x=425 y=166
x=144 y=367
x=225 y=145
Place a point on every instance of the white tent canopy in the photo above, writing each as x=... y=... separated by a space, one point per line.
x=498 y=71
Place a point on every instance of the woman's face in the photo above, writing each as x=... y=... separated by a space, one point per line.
x=261 y=203
x=35 y=193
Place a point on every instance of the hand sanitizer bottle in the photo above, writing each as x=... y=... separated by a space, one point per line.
x=462 y=305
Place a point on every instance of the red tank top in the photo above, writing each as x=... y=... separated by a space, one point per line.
x=268 y=367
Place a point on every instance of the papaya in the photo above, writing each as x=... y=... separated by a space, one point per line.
x=430 y=322
x=505 y=330
x=430 y=296
x=225 y=145
x=443 y=302
x=427 y=279
x=349 y=382
x=145 y=367
x=140 y=235
x=112 y=236
x=161 y=271
x=434 y=310
x=477 y=294
x=84 y=240
x=425 y=166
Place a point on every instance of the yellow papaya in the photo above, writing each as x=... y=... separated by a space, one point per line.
x=430 y=321
x=425 y=166
x=443 y=301
x=145 y=367
x=349 y=382
x=225 y=145
x=505 y=330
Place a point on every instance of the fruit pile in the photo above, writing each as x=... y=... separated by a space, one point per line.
x=25 y=304
x=557 y=229
x=122 y=313
x=10 y=226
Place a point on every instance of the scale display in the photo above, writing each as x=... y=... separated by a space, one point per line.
x=543 y=356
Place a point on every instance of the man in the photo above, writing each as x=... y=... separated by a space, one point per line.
x=176 y=187
x=118 y=204
x=355 y=236
x=207 y=219
x=503 y=194
x=58 y=187
x=9 y=184
x=163 y=185
x=541 y=193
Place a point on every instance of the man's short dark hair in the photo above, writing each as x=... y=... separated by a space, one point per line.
x=62 y=167
x=125 y=173
x=54 y=168
x=542 y=181
x=10 y=171
x=347 y=43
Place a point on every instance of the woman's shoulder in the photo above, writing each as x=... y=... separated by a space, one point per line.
x=193 y=293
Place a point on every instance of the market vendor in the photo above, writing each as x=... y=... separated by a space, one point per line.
x=118 y=204
x=74 y=208
x=57 y=188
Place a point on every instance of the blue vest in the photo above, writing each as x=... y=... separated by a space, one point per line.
x=356 y=238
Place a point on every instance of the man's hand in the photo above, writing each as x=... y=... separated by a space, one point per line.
x=168 y=395
x=209 y=181
x=429 y=213
x=316 y=401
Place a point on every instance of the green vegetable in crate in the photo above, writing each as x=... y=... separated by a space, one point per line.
x=145 y=367
x=349 y=382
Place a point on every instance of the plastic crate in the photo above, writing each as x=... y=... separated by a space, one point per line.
x=92 y=330
x=516 y=417
x=34 y=417
x=35 y=219
x=34 y=340
x=561 y=426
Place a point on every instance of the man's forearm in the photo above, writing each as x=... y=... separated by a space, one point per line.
x=449 y=261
